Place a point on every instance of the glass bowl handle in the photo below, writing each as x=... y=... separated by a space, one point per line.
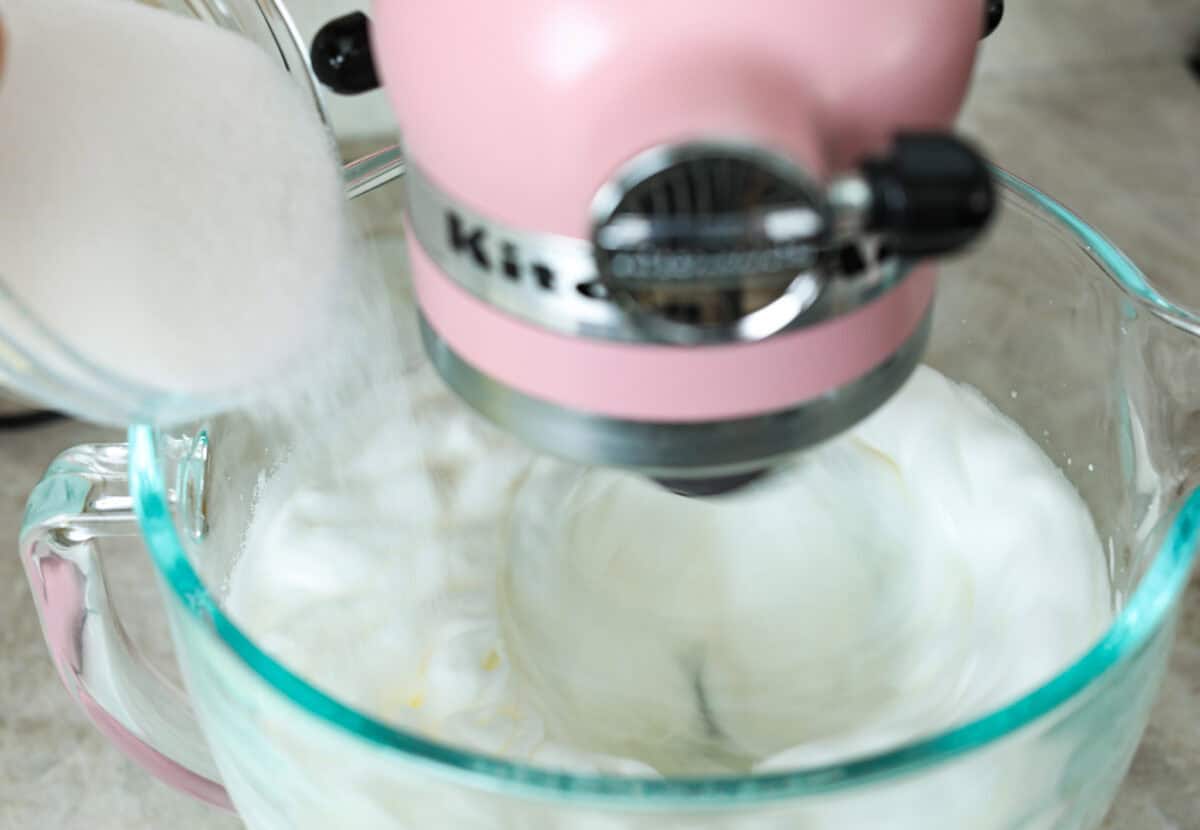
x=82 y=501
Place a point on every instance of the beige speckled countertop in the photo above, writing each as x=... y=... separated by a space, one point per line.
x=1089 y=99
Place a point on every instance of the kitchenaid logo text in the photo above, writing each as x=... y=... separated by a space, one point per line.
x=475 y=245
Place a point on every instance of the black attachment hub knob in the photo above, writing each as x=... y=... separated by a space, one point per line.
x=932 y=195
x=341 y=55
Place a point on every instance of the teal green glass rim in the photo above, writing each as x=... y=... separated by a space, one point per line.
x=1143 y=616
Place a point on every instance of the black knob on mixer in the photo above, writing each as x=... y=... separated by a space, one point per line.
x=992 y=15
x=341 y=55
x=932 y=195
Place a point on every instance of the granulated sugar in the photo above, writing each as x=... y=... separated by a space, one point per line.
x=172 y=206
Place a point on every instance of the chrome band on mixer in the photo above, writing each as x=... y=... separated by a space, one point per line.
x=714 y=448
x=552 y=280
x=544 y=278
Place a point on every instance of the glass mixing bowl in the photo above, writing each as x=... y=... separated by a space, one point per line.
x=1046 y=318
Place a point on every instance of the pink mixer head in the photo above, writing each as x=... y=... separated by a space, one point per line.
x=687 y=237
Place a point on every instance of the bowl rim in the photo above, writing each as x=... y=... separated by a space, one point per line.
x=1145 y=613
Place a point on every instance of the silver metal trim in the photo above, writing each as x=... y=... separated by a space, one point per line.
x=797 y=256
x=850 y=202
x=783 y=224
x=563 y=305
x=657 y=159
x=551 y=280
x=675 y=450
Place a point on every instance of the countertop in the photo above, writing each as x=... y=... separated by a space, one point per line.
x=1089 y=99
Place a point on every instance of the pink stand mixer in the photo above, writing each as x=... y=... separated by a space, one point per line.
x=687 y=239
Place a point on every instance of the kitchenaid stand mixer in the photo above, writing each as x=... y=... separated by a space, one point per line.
x=687 y=240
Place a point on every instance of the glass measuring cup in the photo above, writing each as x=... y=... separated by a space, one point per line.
x=41 y=363
x=1046 y=318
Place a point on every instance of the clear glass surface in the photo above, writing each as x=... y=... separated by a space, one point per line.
x=1046 y=318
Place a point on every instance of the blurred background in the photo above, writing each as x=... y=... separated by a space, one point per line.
x=1094 y=101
